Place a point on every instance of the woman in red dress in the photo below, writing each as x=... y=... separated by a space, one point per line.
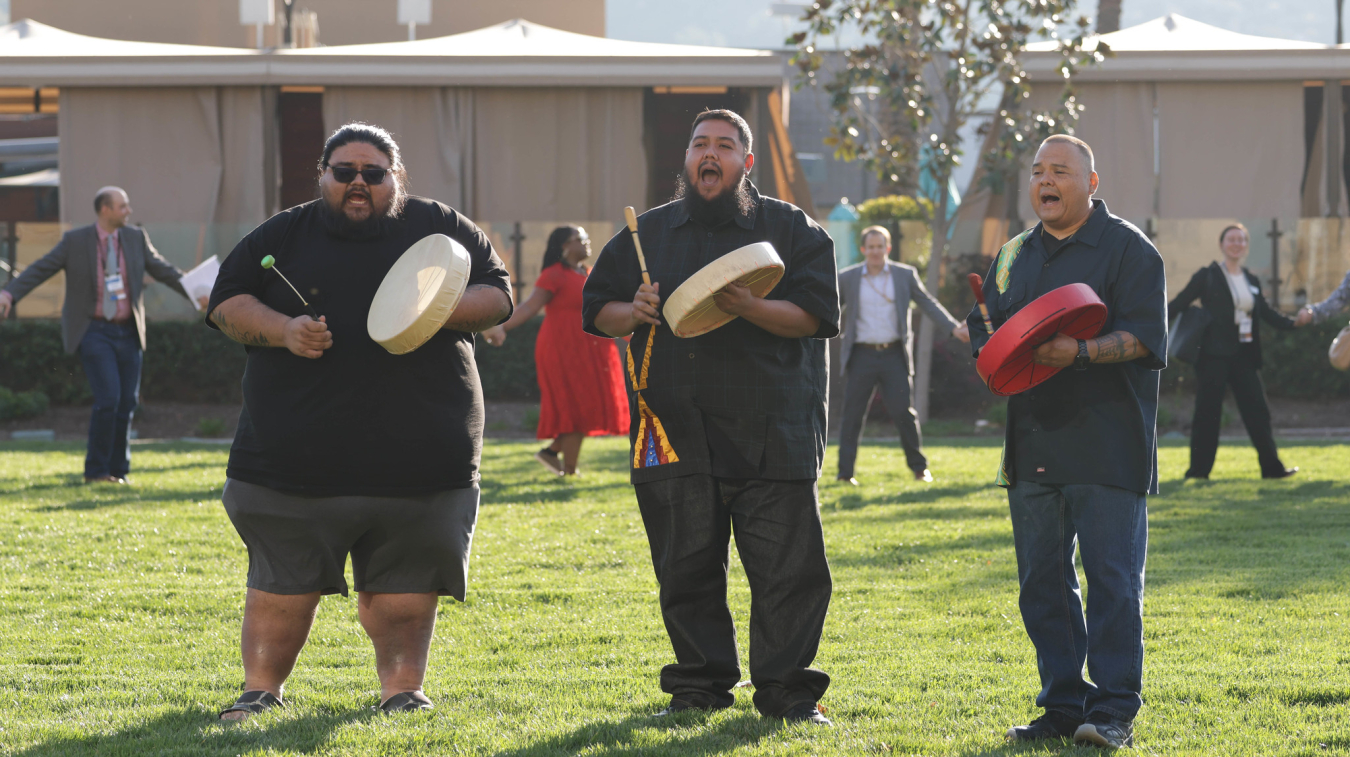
x=580 y=379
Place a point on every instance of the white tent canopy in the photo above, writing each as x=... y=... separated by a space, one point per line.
x=515 y=121
x=1174 y=47
x=1188 y=120
x=514 y=53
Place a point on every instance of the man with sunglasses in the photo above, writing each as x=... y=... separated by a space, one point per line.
x=342 y=447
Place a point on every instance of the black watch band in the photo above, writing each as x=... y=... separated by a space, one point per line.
x=1080 y=363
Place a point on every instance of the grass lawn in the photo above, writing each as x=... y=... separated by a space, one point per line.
x=120 y=611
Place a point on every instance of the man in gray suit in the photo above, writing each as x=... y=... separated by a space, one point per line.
x=104 y=319
x=875 y=296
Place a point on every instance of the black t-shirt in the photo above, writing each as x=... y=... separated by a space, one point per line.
x=1052 y=243
x=358 y=420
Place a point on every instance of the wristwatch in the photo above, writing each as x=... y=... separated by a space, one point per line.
x=1080 y=363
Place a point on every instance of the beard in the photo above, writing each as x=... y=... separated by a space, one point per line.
x=373 y=226
x=721 y=208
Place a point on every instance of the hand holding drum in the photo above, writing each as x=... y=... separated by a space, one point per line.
x=1007 y=362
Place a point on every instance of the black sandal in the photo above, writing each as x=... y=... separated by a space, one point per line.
x=254 y=703
x=405 y=702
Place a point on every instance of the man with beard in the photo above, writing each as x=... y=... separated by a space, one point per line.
x=342 y=447
x=728 y=428
x=1081 y=454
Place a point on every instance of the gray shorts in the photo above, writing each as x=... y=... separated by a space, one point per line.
x=399 y=545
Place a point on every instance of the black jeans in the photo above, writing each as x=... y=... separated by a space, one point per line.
x=689 y=522
x=1215 y=375
x=868 y=367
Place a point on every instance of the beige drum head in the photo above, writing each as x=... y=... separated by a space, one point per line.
x=691 y=310
x=418 y=294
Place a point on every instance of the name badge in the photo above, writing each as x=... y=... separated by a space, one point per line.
x=113 y=285
x=1254 y=289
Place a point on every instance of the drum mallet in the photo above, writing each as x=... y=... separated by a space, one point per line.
x=977 y=286
x=270 y=262
x=631 y=216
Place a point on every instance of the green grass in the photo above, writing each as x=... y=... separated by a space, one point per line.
x=120 y=610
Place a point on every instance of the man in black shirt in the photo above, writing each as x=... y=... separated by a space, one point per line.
x=343 y=447
x=1080 y=454
x=728 y=428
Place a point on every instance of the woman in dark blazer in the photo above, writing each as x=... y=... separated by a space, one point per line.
x=1230 y=355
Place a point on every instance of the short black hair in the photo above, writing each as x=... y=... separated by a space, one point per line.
x=731 y=117
x=371 y=134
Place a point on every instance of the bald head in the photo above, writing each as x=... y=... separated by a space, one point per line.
x=1084 y=151
x=113 y=207
x=1062 y=184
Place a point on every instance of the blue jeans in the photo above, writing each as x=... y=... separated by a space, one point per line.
x=1110 y=528
x=111 y=353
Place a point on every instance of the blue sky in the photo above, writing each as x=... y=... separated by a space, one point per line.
x=747 y=23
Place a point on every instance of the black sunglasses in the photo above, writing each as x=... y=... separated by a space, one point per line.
x=347 y=174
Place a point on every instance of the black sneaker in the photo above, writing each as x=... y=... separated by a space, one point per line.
x=1052 y=725
x=1103 y=731
x=806 y=712
x=549 y=459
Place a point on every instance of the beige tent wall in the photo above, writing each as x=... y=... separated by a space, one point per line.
x=184 y=154
x=507 y=154
x=434 y=130
x=1228 y=149
x=1118 y=124
x=1231 y=149
x=558 y=153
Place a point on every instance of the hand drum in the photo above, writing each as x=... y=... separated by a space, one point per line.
x=1005 y=363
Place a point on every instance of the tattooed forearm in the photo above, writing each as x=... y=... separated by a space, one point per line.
x=482 y=307
x=1117 y=347
x=238 y=334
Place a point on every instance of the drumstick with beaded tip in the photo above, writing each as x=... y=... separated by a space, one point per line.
x=631 y=216
x=270 y=262
x=977 y=286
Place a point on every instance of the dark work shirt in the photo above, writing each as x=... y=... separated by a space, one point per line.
x=757 y=400
x=357 y=420
x=1096 y=426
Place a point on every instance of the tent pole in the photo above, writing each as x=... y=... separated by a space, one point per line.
x=1275 y=235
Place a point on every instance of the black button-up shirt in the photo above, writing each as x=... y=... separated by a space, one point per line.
x=758 y=399
x=1096 y=426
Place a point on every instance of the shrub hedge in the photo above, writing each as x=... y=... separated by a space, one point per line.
x=187 y=362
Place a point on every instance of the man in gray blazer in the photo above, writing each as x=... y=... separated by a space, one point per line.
x=104 y=319
x=875 y=296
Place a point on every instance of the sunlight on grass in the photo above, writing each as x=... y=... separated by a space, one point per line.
x=122 y=606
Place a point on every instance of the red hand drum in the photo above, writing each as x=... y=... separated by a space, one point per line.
x=1005 y=363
